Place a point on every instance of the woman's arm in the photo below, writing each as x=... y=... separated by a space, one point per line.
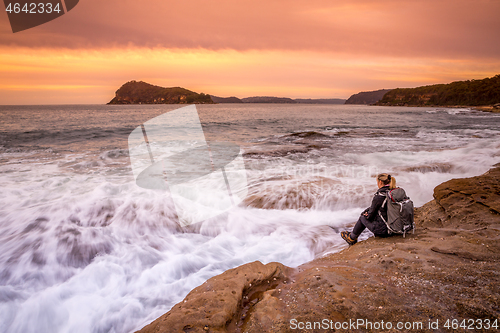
x=378 y=200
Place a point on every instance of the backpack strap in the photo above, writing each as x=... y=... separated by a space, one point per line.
x=383 y=204
x=389 y=229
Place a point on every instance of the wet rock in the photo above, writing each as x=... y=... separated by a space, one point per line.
x=221 y=300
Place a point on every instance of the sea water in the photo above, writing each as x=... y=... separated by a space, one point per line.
x=84 y=249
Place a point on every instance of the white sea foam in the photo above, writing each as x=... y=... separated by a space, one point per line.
x=458 y=110
x=83 y=253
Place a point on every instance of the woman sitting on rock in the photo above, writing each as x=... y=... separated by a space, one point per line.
x=370 y=217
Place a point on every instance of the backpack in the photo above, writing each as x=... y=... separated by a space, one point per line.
x=399 y=212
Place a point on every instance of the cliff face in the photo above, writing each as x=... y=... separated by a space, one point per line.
x=138 y=92
x=448 y=269
x=367 y=97
x=460 y=93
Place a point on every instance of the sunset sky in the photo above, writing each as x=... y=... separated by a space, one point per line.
x=293 y=48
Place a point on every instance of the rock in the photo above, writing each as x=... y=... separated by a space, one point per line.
x=138 y=92
x=367 y=97
x=221 y=299
x=449 y=268
x=471 y=199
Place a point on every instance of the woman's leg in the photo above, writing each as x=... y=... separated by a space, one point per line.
x=377 y=227
x=359 y=227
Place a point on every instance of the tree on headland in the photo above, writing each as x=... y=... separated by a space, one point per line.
x=459 y=93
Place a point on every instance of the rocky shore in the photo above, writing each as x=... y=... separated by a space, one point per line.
x=491 y=108
x=448 y=269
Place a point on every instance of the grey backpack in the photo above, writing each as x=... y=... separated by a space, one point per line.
x=399 y=212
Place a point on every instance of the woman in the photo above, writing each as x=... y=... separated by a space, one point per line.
x=370 y=218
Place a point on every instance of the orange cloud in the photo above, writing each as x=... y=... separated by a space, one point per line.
x=445 y=28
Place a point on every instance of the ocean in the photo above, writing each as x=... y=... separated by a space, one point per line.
x=83 y=248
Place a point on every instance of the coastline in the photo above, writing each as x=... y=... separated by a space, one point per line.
x=490 y=108
x=448 y=269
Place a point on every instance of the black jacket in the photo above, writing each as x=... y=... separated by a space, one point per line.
x=377 y=225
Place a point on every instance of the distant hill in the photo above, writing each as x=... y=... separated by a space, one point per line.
x=459 y=93
x=139 y=92
x=320 y=100
x=231 y=99
x=267 y=99
x=270 y=99
x=367 y=97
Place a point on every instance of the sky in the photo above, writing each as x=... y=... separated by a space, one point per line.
x=292 y=48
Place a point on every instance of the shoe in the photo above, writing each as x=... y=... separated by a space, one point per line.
x=346 y=235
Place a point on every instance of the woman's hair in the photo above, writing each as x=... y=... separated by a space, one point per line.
x=387 y=179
